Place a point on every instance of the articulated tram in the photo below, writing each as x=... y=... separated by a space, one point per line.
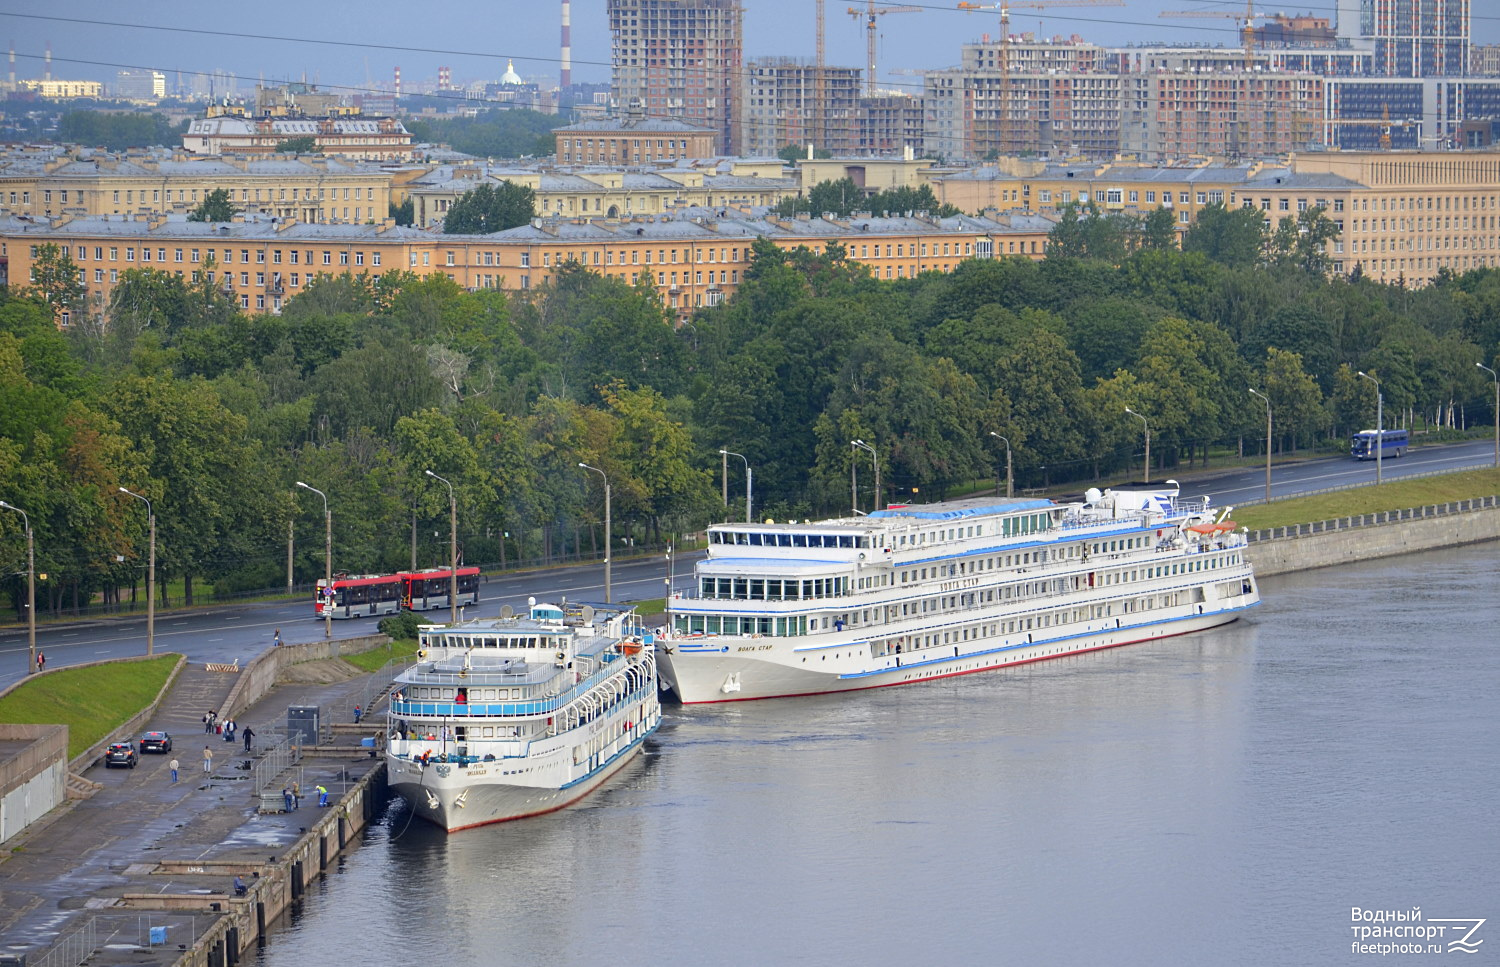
x=363 y=595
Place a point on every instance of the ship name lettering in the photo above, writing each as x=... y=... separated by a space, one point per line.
x=952 y=585
x=754 y=647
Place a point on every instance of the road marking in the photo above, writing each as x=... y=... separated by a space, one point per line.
x=104 y=652
x=70 y=634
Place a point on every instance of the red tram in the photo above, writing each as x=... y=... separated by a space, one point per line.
x=364 y=595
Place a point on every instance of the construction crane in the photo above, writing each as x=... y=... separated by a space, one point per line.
x=1384 y=123
x=1002 y=52
x=1246 y=21
x=870 y=14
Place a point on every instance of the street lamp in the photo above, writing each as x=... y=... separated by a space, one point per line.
x=452 y=549
x=1010 y=480
x=150 y=574
x=1379 y=424
x=748 y=477
x=327 y=561
x=30 y=584
x=1146 y=472
x=609 y=549
x=1255 y=392
x=876 y=457
x=1496 y=379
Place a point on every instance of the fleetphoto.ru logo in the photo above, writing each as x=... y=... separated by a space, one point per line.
x=1405 y=932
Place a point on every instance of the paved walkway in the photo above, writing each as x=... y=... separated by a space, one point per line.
x=83 y=852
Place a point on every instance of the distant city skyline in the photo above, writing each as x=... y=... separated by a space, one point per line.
x=88 y=38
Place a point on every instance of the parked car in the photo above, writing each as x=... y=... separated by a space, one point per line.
x=120 y=754
x=156 y=742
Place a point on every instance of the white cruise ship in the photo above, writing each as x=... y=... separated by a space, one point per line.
x=515 y=716
x=913 y=593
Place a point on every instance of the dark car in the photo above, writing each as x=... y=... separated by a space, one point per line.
x=156 y=742
x=120 y=754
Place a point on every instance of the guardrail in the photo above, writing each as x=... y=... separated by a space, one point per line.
x=1375 y=519
x=1256 y=501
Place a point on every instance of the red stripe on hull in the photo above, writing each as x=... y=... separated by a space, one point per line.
x=971 y=671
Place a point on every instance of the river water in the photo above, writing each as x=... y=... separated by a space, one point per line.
x=1219 y=798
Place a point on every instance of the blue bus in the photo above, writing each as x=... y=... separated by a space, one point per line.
x=1365 y=444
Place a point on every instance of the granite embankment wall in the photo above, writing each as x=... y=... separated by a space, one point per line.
x=280 y=884
x=1366 y=536
x=259 y=677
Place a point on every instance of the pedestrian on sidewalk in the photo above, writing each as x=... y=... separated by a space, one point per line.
x=41 y=661
x=208 y=760
x=249 y=734
x=357 y=713
x=277 y=637
x=208 y=721
x=173 y=766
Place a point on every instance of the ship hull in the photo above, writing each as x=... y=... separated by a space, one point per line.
x=756 y=671
x=456 y=798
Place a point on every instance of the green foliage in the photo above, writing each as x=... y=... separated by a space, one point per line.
x=216 y=207
x=398 y=627
x=116 y=131
x=303 y=144
x=499 y=133
x=843 y=198
x=1234 y=237
x=490 y=208
x=404 y=213
x=55 y=280
x=91 y=701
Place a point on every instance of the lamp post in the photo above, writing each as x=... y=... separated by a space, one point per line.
x=1255 y=392
x=1010 y=480
x=609 y=549
x=1379 y=424
x=875 y=457
x=1496 y=379
x=327 y=561
x=30 y=584
x=1146 y=472
x=748 y=476
x=150 y=574
x=452 y=549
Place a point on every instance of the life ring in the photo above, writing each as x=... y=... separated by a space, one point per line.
x=463 y=673
x=421 y=652
x=562 y=656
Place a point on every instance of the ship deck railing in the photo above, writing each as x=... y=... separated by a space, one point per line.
x=545 y=705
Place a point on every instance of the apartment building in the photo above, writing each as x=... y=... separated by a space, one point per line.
x=608 y=192
x=631 y=139
x=693 y=257
x=155 y=183
x=783 y=106
x=682 y=59
x=352 y=136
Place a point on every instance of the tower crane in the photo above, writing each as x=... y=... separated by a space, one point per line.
x=1002 y=59
x=1246 y=21
x=869 y=15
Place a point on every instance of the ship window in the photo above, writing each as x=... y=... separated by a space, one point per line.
x=799 y=540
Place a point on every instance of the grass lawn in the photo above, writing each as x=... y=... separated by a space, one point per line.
x=375 y=659
x=1395 y=495
x=90 y=701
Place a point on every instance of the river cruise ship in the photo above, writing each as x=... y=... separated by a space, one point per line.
x=912 y=593
x=520 y=715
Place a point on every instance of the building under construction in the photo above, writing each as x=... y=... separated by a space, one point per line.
x=682 y=59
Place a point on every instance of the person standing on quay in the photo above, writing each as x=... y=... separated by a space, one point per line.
x=249 y=734
x=208 y=760
x=173 y=766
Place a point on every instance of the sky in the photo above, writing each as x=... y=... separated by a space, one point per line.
x=343 y=44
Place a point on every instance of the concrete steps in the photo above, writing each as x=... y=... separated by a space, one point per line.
x=80 y=788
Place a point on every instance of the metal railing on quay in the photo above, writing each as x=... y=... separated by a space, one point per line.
x=74 y=949
x=1256 y=501
x=1374 y=519
x=281 y=755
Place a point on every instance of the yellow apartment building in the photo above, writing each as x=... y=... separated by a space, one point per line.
x=694 y=257
x=605 y=192
x=308 y=189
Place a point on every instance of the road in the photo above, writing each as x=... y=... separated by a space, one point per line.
x=227 y=633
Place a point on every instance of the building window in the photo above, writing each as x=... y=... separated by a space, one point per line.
x=359 y=258
x=374 y=258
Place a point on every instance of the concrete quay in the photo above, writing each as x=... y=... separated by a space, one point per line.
x=142 y=872
x=1368 y=536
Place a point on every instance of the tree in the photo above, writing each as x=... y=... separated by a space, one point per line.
x=1296 y=401
x=57 y=280
x=305 y=144
x=404 y=213
x=216 y=207
x=1159 y=230
x=793 y=153
x=1303 y=241
x=1229 y=236
x=490 y=208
